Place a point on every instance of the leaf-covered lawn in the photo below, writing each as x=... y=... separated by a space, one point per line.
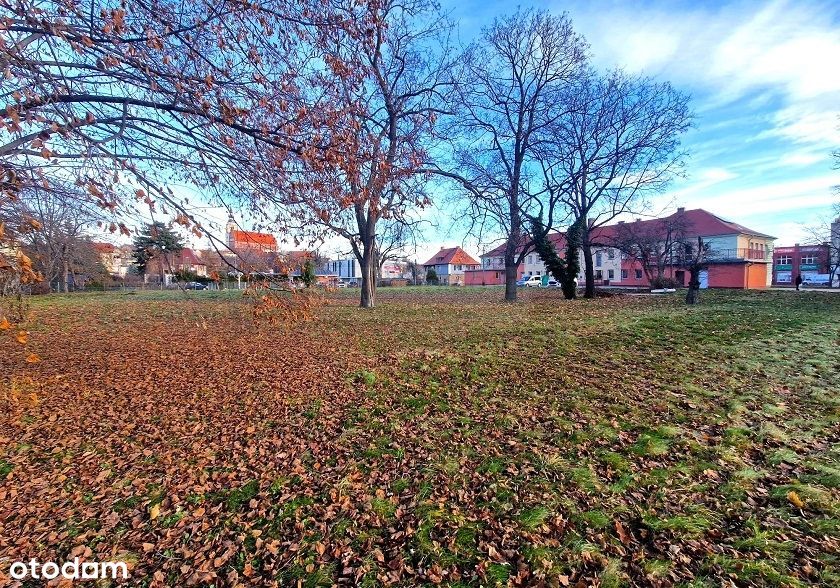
x=443 y=438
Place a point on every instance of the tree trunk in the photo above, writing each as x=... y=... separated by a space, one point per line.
x=510 y=278
x=65 y=286
x=589 y=268
x=368 y=296
x=693 y=287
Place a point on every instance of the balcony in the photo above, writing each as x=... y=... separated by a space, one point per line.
x=743 y=254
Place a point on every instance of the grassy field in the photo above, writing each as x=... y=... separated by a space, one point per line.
x=442 y=438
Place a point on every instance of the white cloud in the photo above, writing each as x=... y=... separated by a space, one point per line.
x=730 y=50
x=807 y=122
x=781 y=197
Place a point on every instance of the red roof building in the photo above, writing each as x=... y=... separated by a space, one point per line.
x=740 y=257
x=239 y=240
x=450 y=264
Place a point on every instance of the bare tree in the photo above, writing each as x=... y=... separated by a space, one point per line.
x=619 y=143
x=695 y=258
x=652 y=243
x=826 y=233
x=51 y=225
x=510 y=89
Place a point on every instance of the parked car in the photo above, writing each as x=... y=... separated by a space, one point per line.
x=521 y=281
x=194 y=286
x=551 y=283
x=341 y=285
x=533 y=282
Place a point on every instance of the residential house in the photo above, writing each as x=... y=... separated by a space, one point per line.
x=165 y=267
x=739 y=257
x=117 y=259
x=606 y=260
x=451 y=264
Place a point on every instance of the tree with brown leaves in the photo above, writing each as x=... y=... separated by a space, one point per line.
x=389 y=105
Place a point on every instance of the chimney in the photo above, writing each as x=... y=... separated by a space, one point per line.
x=680 y=210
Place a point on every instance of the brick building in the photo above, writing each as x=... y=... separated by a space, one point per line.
x=804 y=260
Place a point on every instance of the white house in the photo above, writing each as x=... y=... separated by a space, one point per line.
x=450 y=265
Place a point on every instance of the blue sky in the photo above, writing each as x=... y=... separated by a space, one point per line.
x=765 y=83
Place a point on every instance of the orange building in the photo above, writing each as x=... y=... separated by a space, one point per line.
x=240 y=241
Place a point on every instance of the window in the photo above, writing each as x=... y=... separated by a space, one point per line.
x=598 y=259
x=784 y=260
x=610 y=253
x=611 y=274
x=809 y=260
x=624 y=274
x=459 y=268
x=599 y=275
x=638 y=274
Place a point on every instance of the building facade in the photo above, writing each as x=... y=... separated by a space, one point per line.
x=347 y=270
x=799 y=260
x=451 y=264
x=165 y=267
x=606 y=262
x=117 y=259
x=738 y=257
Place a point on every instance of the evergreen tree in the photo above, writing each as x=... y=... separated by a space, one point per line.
x=431 y=276
x=156 y=240
x=307 y=274
x=563 y=270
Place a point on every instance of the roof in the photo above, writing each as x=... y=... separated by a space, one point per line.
x=188 y=256
x=703 y=223
x=104 y=247
x=698 y=222
x=298 y=256
x=453 y=255
x=185 y=256
x=254 y=238
x=812 y=248
x=557 y=239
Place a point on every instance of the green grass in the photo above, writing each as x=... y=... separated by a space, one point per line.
x=473 y=442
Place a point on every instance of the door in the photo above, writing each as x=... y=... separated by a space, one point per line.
x=704 y=278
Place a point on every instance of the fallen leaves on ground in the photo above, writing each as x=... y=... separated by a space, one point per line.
x=443 y=438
